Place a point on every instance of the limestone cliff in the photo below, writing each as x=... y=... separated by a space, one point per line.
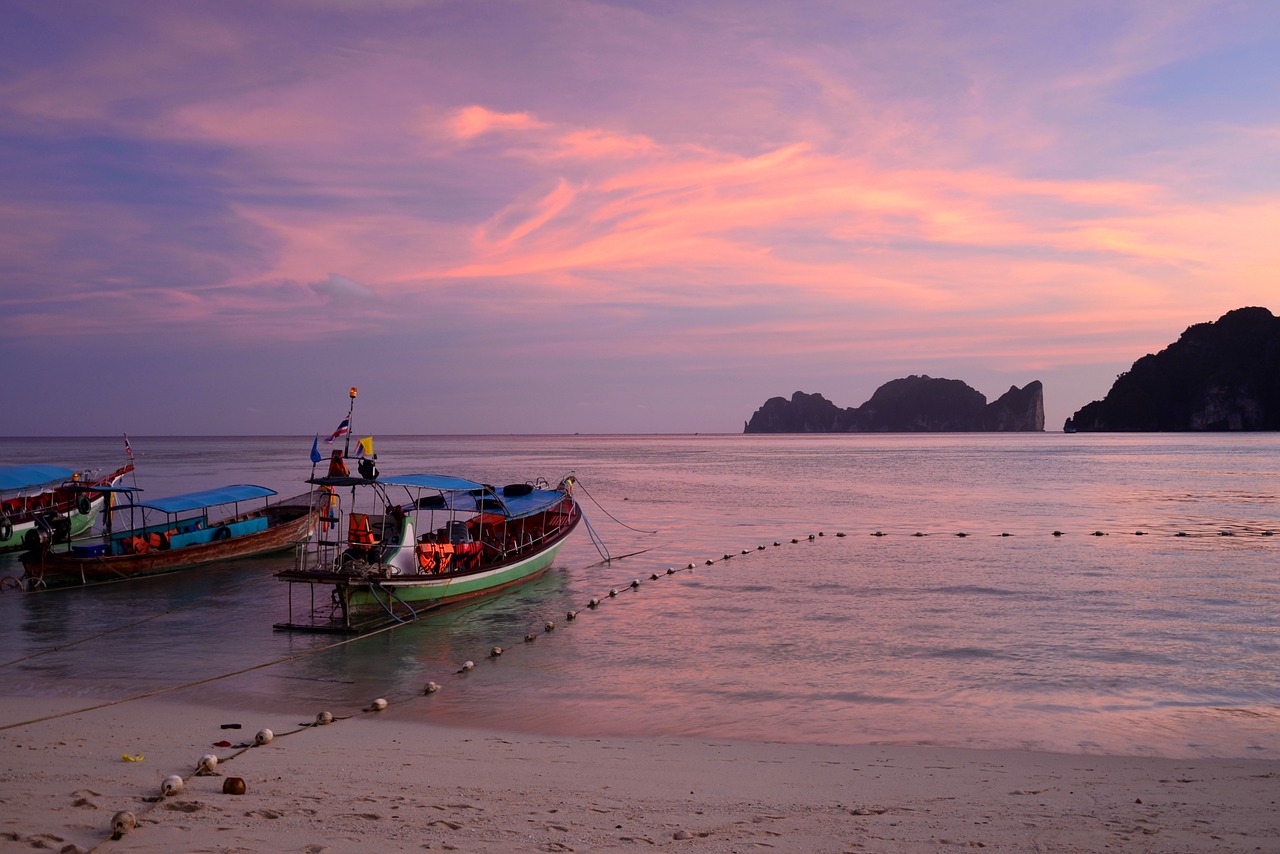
x=1223 y=375
x=914 y=404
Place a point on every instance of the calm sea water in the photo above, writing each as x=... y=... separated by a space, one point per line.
x=1155 y=644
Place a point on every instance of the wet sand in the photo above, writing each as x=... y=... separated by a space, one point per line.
x=372 y=782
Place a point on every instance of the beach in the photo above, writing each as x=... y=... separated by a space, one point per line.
x=372 y=782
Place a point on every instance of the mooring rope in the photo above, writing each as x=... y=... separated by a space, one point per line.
x=204 y=681
x=578 y=484
x=197 y=601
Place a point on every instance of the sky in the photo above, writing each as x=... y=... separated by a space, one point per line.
x=613 y=217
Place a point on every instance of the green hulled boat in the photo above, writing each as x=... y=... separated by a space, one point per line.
x=386 y=550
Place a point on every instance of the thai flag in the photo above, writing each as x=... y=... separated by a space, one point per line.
x=128 y=450
x=343 y=429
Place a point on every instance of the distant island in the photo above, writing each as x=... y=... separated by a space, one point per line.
x=914 y=404
x=1223 y=375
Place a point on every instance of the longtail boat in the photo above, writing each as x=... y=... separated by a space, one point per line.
x=174 y=533
x=386 y=550
x=61 y=503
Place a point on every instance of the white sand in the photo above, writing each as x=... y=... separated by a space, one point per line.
x=373 y=783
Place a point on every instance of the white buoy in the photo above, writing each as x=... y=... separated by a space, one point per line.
x=530 y=638
x=635 y=584
x=171 y=786
x=550 y=626
x=594 y=603
x=495 y=652
x=324 y=718
x=264 y=736
x=572 y=615
x=122 y=822
x=207 y=764
x=431 y=688
x=613 y=591
x=467 y=667
x=378 y=705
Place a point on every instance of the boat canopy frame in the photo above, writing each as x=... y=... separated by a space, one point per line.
x=202 y=499
x=32 y=476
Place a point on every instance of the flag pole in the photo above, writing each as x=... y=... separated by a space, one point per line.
x=346 y=448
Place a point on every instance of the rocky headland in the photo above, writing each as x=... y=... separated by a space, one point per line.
x=1223 y=375
x=914 y=404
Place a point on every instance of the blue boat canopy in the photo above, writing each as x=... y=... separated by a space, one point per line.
x=442 y=482
x=13 y=478
x=205 y=498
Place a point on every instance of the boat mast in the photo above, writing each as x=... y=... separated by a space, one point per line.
x=351 y=428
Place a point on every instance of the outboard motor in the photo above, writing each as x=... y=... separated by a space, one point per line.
x=49 y=528
x=38 y=538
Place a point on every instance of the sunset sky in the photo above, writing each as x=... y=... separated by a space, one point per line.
x=613 y=217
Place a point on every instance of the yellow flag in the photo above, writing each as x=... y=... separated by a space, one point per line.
x=366 y=446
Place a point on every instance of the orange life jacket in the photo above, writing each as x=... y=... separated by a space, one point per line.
x=360 y=534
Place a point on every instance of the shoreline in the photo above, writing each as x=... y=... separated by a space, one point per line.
x=374 y=782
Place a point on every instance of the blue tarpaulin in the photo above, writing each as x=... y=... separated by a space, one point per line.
x=206 y=498
x=432 y=481
x=13 y=478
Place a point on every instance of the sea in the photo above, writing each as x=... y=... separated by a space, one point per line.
x=1085 y=593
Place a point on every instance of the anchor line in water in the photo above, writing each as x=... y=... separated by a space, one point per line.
x=200 y=600
x=578 y=483
x=204 y=681
x=601 y=548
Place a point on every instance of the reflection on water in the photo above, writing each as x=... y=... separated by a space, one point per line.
x=1123 y=643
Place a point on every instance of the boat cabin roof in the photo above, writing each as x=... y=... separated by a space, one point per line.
x=13 y=478
x=204 y=498
x=441 y=482
x=458 y=494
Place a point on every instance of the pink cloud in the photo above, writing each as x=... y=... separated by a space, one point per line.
x=475 y=121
